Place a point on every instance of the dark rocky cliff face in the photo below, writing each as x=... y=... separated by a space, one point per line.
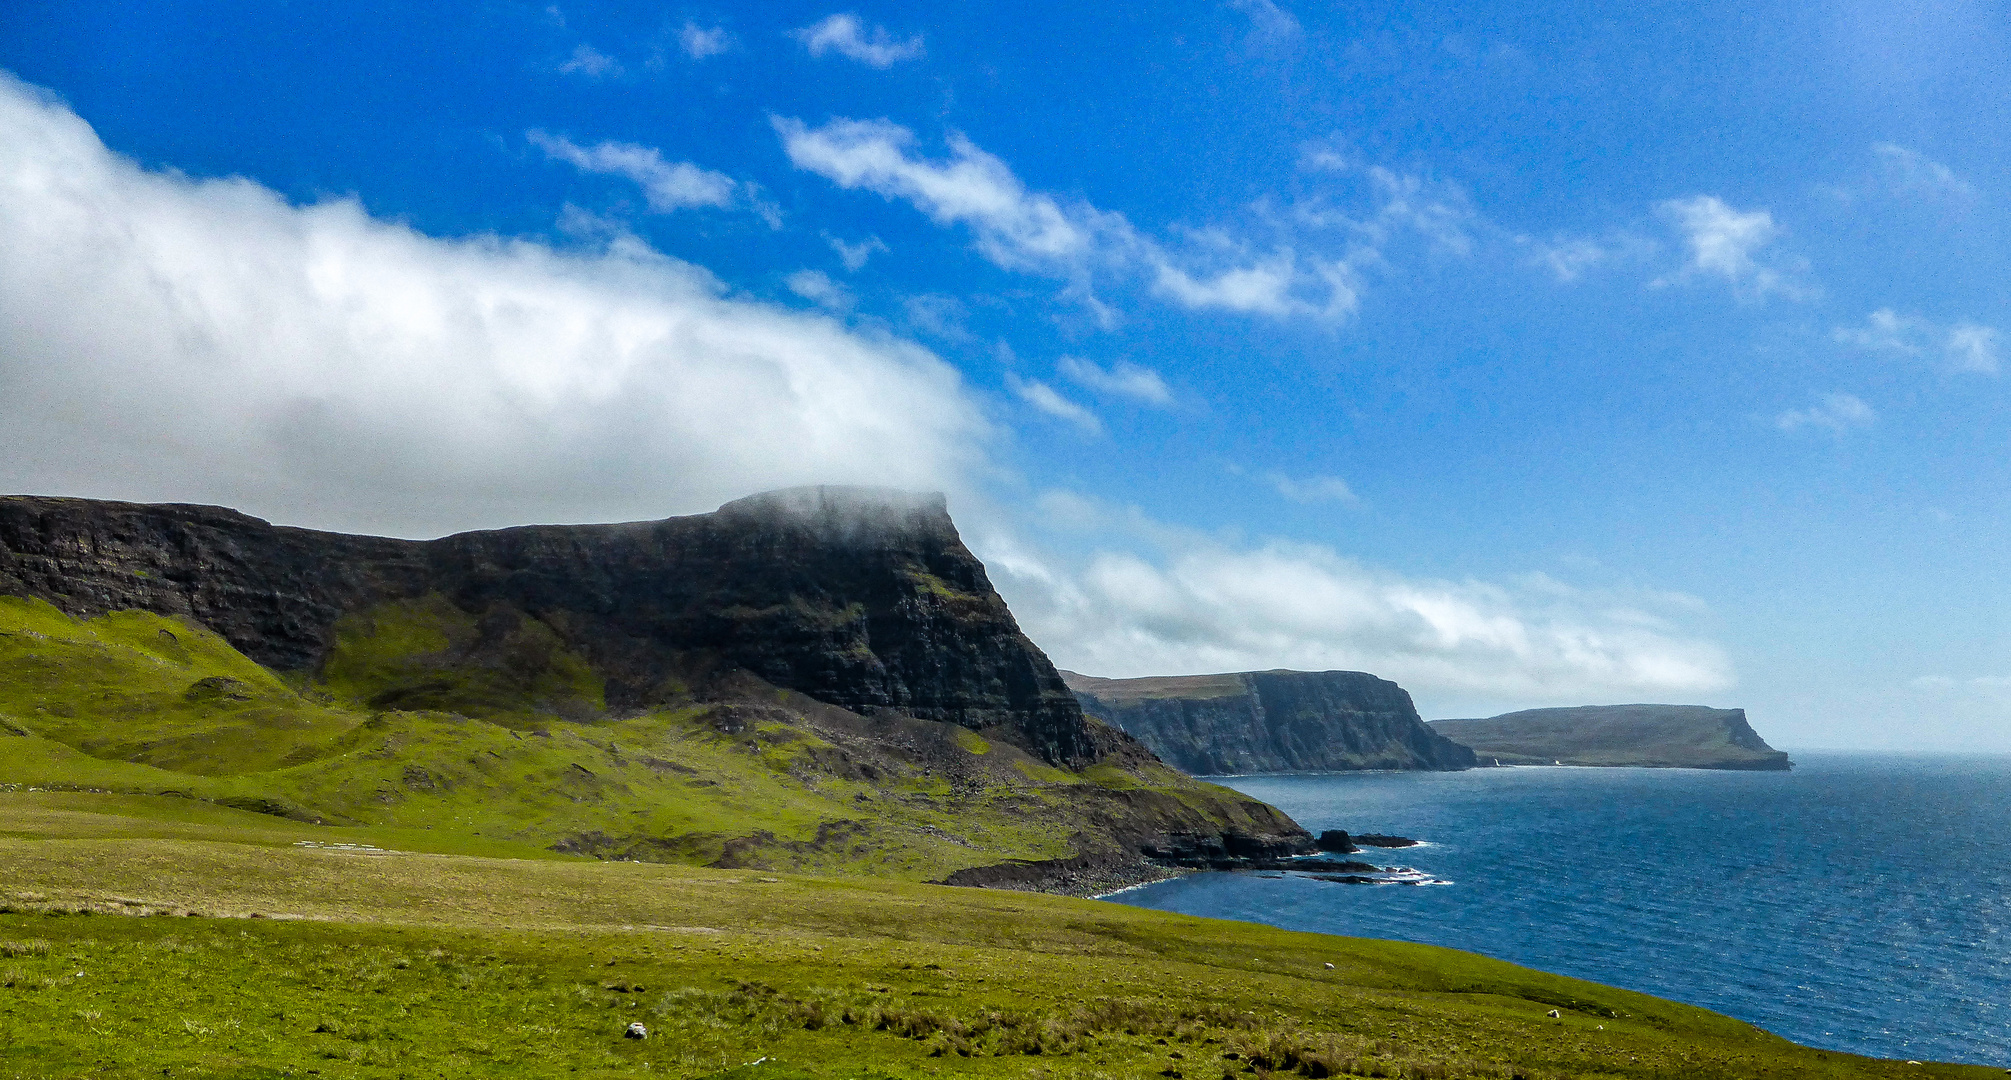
x=865 y=599
x=1272 y=721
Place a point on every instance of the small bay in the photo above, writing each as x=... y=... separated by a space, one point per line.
x=1860 y=903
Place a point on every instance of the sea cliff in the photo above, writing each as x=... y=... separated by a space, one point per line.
x=1271 y=721
x=1643 y=736
x=820 y=678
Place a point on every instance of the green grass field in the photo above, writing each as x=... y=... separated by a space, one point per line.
x=408 y=726
x=164 y=937
x=421 y=860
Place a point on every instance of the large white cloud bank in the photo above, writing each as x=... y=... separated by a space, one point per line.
x=170 y=338
x=164 y=338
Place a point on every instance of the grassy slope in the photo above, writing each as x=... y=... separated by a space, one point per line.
x=386 y=965
x=422 y=720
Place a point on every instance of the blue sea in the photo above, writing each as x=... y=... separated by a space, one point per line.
x=1859 y=903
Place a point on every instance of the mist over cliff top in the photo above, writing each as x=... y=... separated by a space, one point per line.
x=847 y=513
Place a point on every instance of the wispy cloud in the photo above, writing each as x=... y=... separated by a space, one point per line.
x=383 y=379
x=1911 y=172
x=1311 y=489
x=1022 y=229
x=1835 y=413
x=667 y=185
x=848 y=37
x=1963 y=346
x=817 y=287
x=592 y=63
x=1015 y=227
x=1973 y=347
x=1050 y=401
x=1437 y=210
x=699 y=42
x=1268 y=21
x=938 y=316
x=1280 y=283
x=1122 y=379
x=1569 y=258
x=1725 y=243
x=854 y=256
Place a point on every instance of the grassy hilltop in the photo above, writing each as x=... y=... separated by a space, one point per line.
x=151 y=936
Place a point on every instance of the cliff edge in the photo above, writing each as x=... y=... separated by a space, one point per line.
x=1271 y=721
x=1643 y=736
x=813 y=678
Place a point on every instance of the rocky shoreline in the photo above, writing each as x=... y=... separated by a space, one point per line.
x=1094 y=876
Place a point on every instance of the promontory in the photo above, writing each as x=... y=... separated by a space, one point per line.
x=1647 y=736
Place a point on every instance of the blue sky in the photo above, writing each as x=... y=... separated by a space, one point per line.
x=1527 y=355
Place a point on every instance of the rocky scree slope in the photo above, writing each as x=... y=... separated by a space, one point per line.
x=1646 y=736
x=1271 y=721
x=835 y=656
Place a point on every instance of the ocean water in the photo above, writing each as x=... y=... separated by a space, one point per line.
x=1858 y=903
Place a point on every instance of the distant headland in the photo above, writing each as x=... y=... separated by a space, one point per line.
x=1271 y=721
x=1641 y=736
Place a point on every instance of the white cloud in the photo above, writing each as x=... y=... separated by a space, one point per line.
x=1277 y=285
x=1267 y=20
x=1911 y=172
x=1122 y=379
x=1438 y=210
x=1973 y=347
x=1723 y=242
x=817 y=287
x=1050 y=401
x=699 y=42
x=1208 y=606
x=667 y=185
x=592 y=63
x=1569 y=258
x=854 y=256
x=1885 y=330
x=1021 y=229
x=182 y=340
x=1312 y=489
x=938 y=315
x=848 y=37
x=1965 y=346
x=1835 y=413
x=1015 y=228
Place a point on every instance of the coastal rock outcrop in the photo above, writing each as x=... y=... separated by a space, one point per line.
x=863 y=598
x=1643 y=736
x=841 y=636
x=1271 y=721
